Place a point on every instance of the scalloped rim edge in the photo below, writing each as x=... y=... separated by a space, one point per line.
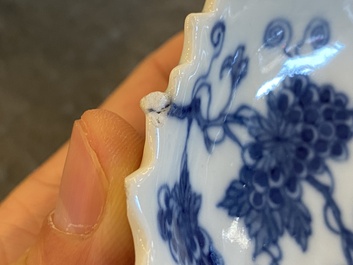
x=138 y=224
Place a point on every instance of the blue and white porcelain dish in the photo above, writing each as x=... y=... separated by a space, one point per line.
x=249 y=152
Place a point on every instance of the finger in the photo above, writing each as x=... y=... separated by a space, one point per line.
x=22 y=213
x=89 y=224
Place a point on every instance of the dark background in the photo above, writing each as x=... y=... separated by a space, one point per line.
x=61 y=57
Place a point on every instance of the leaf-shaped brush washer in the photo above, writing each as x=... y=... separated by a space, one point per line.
x=248 y=156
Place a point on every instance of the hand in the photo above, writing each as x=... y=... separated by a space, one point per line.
x=83 y=219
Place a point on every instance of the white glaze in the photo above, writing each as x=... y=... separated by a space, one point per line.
x=211 y=171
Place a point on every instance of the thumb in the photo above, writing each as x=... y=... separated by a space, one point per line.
x=89 y=224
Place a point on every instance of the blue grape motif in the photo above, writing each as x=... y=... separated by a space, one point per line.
x=306 y=125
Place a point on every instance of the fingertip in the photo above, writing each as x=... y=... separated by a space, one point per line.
x=117 y=144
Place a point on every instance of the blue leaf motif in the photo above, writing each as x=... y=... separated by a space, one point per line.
x=298 y=223
x=236 y=200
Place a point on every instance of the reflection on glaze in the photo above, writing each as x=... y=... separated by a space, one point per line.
x=317 y=34
x=301 y=65
x=305 y=126
x=237 y=233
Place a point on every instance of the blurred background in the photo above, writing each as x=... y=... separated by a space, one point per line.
x=61 y=57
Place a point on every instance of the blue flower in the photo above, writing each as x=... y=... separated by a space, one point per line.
x=178 y=224
x=305 y=126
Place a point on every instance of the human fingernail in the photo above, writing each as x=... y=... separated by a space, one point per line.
x=83 y=187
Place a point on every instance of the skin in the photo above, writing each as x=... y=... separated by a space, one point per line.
x=115 y=133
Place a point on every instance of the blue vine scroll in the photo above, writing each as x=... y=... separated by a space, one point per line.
x=306 y=125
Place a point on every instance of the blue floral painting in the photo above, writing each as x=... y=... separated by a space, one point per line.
x=305 y=125
x=179 y=207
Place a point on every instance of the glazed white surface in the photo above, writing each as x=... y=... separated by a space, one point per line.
x=211 y=172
